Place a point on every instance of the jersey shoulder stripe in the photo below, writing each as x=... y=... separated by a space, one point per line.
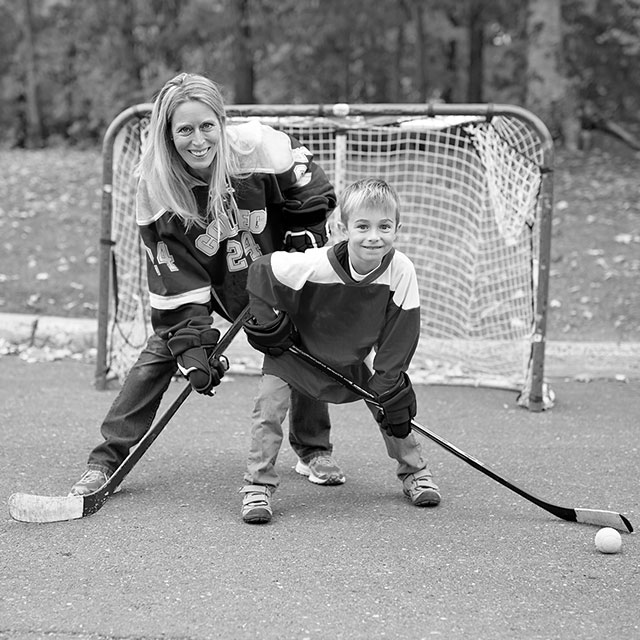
x=294 y=270
x=147 y=209
x=404 y=282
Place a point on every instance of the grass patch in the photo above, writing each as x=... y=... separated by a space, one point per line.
x=50 y=226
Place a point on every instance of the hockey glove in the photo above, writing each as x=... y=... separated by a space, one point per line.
x=311 y=231
x=190 y=349
x=273 y=338
x=398 y=408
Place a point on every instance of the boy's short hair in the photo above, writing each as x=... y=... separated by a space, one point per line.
x=369 y=192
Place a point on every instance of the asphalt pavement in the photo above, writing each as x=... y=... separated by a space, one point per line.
x=169 y=557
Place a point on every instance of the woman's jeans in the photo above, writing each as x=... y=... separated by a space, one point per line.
x=134 y=409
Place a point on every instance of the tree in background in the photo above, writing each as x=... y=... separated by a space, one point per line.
x=563 y=59
x=244 y=77
x=602 y=53
x=549 y=92
x=34 y=137
x=12 y=107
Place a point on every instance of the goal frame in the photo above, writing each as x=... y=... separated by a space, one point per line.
x=536 y=389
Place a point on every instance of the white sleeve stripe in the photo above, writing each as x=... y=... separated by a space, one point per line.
x=197 y=296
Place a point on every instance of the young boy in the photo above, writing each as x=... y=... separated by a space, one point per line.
x=338 y=303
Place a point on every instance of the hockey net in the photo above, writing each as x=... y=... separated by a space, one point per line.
x=475 y=195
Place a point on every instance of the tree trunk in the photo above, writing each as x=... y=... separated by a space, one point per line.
x=476 y=29
x=395 y=87
x=421 y=67
x=244 y=80
x=34 y=133
x=130 y=57
x=549 y=95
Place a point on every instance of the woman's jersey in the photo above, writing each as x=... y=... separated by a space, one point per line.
x=339 y=320
x=192 y=273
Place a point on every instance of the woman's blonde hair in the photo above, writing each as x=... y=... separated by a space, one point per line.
x=166 y=174
x=369 y=192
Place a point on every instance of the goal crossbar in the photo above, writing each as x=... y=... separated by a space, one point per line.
x=476 y=190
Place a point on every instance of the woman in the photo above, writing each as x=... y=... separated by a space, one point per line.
x=211 y=199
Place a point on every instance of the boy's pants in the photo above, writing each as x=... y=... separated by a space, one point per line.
x=133 y=411
x=268 y=417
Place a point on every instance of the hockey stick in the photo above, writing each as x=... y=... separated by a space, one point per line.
x=27 y=507
x=585 y=516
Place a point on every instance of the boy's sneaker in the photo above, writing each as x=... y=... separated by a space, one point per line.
x=421 y=490
x=322 y=469
x=91 y=480
x=256 y=504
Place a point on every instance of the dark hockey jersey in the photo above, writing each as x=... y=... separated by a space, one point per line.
x=340 y=320
x=193 y=273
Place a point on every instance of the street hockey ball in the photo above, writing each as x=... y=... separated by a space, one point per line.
x=608 y=540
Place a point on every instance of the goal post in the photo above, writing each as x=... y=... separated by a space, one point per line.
x=476 y=189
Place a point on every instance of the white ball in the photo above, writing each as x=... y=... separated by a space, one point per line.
x=341 y=110
x=608 y=540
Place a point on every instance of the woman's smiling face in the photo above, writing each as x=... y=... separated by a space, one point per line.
x=195 y=130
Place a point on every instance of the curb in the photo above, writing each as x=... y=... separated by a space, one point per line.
x=75 y=334
x=582 y=361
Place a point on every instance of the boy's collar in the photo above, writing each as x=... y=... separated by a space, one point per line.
x=339 y=256
x=356 y=275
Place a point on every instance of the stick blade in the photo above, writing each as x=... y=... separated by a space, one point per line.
x=26 y=507
x=603 y=519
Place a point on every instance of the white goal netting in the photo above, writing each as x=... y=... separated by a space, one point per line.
x=470 y=188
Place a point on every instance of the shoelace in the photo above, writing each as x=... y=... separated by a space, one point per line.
x=324 y=460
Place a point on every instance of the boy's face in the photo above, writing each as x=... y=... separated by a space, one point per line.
x=371 y=233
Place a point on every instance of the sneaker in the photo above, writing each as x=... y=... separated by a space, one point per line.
x=322 y=469
x=256 y=504
x=420 y=489
x=91 y=480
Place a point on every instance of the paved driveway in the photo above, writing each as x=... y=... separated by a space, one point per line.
x=169 y=557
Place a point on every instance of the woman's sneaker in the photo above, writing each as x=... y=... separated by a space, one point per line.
x=256 y=504
x=322 y=469
x=91 y=481
x=420 y=488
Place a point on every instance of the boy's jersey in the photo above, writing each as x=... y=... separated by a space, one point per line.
x=192 y=273
x=340 y=320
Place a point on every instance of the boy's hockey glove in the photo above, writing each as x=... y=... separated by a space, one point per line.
x=191 y=348
x=272 y=338
x=311 y=231
x=398 y=408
